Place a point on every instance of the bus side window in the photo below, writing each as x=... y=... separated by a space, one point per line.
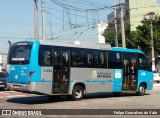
x=45 y=56
x=143 y=63
x=101 y=60
x=90 y=60
x=96 y=61
x=114 y=60
x=77 y=58
x=65 y=59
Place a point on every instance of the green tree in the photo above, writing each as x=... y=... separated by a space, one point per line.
x=138 y=38
x=109 y=36
x=142 y=36
x=156 y=32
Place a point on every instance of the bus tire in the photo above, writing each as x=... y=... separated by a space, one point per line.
x=141 y=90
x=77 y=93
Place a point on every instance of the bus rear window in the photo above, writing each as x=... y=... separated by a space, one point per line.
x=20 y=53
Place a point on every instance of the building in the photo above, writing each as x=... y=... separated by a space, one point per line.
x=101 y=27
x=139 y=8
x=134 y=12
x=3 y=61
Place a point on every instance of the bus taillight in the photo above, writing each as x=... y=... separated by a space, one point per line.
x=31 y=73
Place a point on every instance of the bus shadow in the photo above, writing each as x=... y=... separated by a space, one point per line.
x=35 y=100
x=110 y=95
x=44 y=99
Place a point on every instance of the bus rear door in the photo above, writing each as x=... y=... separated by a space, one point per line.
x=61 y=71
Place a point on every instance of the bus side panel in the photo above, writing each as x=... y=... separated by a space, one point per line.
x=117 y=82
x=147 y=77
x=46 y=81
x=41 y=80
x=96 y=80
x=34 y=67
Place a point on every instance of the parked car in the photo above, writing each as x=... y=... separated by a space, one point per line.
x=156 y=77
x=3 y=77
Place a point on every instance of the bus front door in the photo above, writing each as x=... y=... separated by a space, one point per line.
x=130 y=72
x=61 y=71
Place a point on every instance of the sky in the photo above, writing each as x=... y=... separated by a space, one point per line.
x=65 y=19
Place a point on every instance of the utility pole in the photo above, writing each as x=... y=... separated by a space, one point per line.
x=36 y=32
x=43 y=22
x=51 y=29
x=151 y=14
x=115 y=24
x=122 y=25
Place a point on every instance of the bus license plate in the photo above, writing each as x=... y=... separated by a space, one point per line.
x=16 y=87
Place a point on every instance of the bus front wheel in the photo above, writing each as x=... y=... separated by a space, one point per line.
x=141 y=91
x=77 y=93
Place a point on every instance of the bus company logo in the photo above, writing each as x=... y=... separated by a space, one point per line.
x=12 y=68
x=94 y=74
x=143 y=74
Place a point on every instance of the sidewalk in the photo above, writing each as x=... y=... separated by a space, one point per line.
x=156 y=87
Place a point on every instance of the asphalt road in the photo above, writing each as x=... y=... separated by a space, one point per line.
x=18 y=100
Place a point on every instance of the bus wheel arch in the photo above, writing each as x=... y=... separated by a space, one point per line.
x=78 y=91
x=142 y=89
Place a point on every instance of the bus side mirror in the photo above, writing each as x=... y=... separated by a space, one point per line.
x=3 y=70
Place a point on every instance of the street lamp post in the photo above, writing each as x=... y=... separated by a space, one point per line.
x=36 y=32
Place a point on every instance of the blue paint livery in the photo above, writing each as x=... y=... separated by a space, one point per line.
x=126 y=50
x=36 y=77
x=117 y=81
x=145 y=76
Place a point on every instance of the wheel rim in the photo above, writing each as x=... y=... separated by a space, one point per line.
x=77 y=93
x=142 y=90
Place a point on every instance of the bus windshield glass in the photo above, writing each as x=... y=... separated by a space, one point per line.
x=20 y=53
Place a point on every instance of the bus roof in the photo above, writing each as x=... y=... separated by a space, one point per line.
x=83 y=44
x=76 y=44
x=126 y=50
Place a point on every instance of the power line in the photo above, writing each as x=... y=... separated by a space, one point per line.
x=13 y=37
x=83 y=3
x=73 y=25
x=97 y=3
x=67 y=6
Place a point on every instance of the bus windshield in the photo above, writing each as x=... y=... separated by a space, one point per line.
x=20 y=53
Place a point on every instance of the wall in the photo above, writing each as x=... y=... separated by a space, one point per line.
x=3 y=61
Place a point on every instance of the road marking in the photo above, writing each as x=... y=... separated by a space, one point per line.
x=13 y=94
x=16 y=96
x=8 y=91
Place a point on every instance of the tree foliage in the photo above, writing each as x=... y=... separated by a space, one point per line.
x=141 y=37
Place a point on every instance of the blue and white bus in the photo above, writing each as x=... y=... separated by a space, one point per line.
x=73 y=68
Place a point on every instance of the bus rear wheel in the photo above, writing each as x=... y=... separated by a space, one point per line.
x=77 y=93
x=141 y=91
